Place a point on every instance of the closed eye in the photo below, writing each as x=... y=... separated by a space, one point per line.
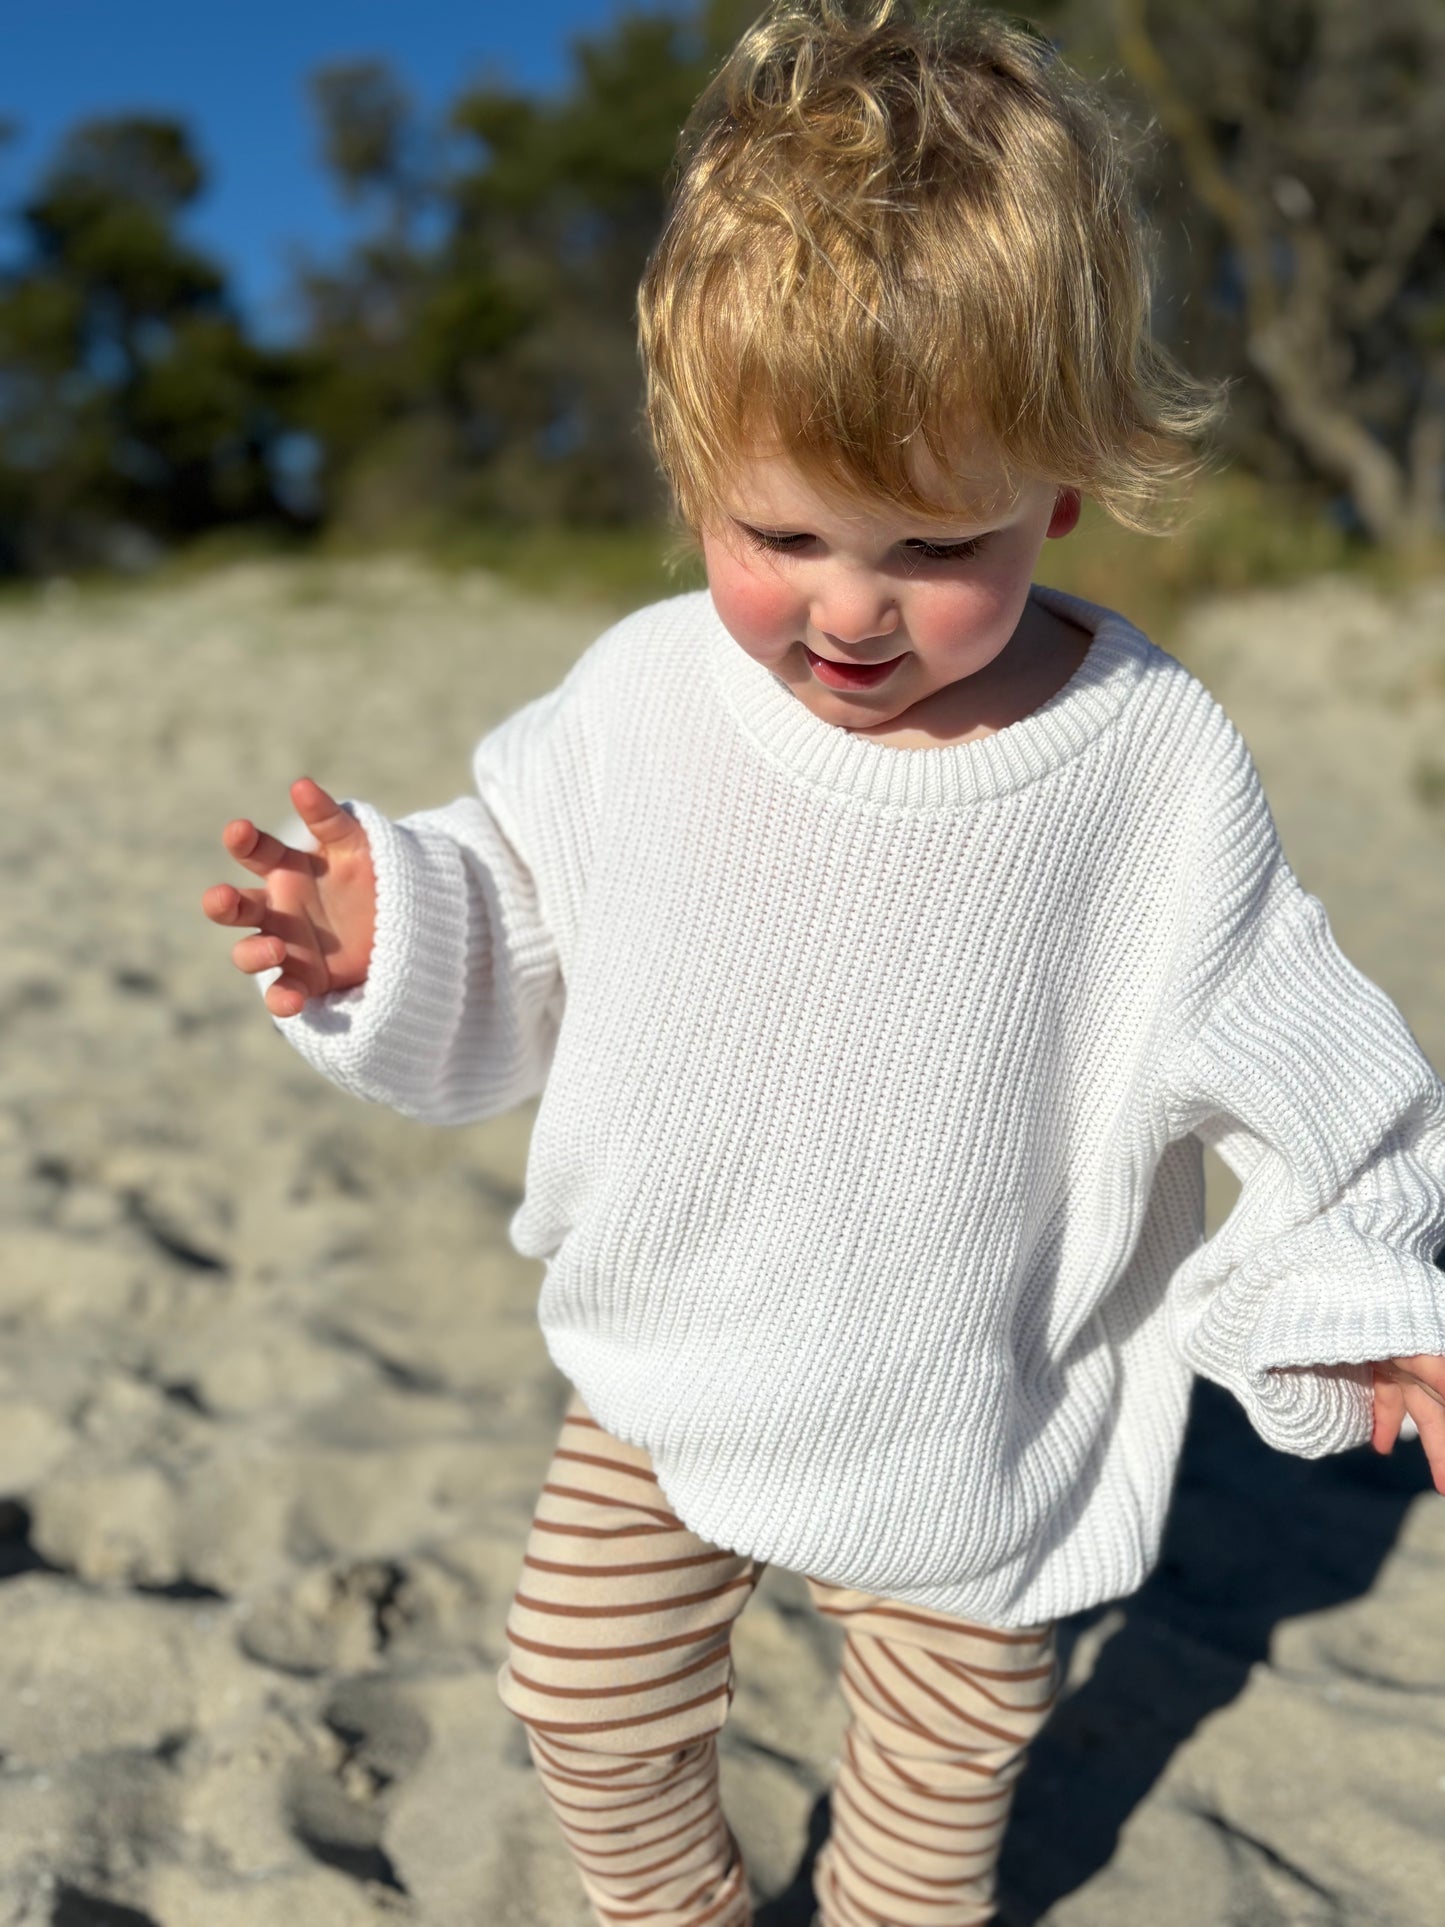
x=946 y=551
x=785 y=541
x=778 y=540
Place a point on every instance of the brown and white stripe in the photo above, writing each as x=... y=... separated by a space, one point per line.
x=620 y=1668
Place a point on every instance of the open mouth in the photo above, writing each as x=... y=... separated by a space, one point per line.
x=849 y=675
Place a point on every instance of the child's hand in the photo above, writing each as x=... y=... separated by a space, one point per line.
x=315 y=911
x=1415 y=1385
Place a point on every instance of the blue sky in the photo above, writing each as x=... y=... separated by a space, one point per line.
x=237 y=73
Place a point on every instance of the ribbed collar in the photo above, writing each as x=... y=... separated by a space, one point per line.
x=950 y=774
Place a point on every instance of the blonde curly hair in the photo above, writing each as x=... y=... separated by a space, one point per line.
x=903 y=248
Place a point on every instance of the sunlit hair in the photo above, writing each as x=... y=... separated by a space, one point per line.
x=902 y=234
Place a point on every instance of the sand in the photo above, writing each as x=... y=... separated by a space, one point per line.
x=275 y=1408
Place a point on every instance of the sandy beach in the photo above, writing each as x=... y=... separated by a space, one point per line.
x=276 y=1409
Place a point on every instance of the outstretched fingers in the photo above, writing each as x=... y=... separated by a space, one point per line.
x=1413 y=1385
x=254 y=849
x=285 y=998
x=293 y=913
x=255 y=954
x=224 y=903
x=322 y=814
x=282 y=937
x=1389 y=1414
x=1424 y=1392
x=1430 y=1424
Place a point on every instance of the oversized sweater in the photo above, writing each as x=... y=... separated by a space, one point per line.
x=867 y=1172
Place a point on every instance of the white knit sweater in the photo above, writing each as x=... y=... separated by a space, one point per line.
x=867 y=1170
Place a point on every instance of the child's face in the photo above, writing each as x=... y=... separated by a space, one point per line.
x=865 y=613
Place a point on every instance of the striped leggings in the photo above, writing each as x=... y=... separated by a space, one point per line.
x=620 y=1668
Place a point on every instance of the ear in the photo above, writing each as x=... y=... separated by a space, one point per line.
x=1065 y=517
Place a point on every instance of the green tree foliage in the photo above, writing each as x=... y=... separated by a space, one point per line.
x=1299 y=192
x=480 y=341
x=130 y=397
x=471 y=359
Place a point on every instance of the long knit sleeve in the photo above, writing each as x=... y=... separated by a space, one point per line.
x=458 y=1016
x=1308 y=1083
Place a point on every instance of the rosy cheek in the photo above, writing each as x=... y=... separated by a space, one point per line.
x=969 y=608
x=755 y=607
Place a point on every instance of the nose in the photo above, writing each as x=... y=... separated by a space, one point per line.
x=853 y=608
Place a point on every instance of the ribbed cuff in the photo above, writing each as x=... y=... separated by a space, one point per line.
x=386 y=1038
x=1324 y=1277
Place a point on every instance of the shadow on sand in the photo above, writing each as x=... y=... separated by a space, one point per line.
x=1254 y=1537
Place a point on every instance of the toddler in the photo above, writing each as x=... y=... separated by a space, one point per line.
x=886 y=936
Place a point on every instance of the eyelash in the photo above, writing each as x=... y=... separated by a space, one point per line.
x=946 y=551
x=921 y=550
